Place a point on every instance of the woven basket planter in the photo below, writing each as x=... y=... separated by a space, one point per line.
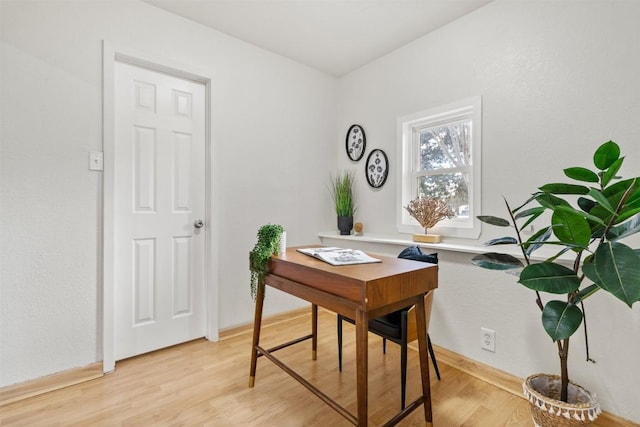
x=543 y=392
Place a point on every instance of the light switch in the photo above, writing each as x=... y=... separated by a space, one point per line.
x=95 y=161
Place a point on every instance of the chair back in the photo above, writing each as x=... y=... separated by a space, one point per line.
x=414 y=253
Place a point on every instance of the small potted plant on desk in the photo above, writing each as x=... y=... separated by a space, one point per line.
x=344 y=200
x=266 y=245
x=591 y=234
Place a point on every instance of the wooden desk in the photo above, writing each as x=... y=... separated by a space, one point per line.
x=361 y=292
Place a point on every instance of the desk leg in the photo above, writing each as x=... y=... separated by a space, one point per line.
x=314 y=331
x=362 y=360
x=421 y=325
x=257 y=321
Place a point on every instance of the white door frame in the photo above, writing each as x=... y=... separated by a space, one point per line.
x=111 y=54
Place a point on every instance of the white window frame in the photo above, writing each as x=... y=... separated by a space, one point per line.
x=408 y=152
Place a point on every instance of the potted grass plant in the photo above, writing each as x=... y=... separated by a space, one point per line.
x=584 y=223
x=266 y=245
x=344 y=201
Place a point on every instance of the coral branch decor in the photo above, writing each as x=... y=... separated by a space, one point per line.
x=428 y=211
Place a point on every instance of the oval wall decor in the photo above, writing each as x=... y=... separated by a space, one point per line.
x=355 y=142
x=377 y=168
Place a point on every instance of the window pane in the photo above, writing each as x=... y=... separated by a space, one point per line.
x=452 y=187
x=446 y=146
x=441 y=150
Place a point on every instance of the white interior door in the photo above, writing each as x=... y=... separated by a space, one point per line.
x=159 y=201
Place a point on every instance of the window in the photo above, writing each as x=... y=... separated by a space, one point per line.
x=440 y=154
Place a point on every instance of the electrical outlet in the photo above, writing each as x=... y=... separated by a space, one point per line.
x=96 y=162
x=488 y=339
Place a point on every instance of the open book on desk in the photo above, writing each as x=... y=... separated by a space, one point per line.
x=339 y=256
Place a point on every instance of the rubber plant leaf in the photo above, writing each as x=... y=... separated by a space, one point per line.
x=634 y=198
x=494 y=220
x=626 y=214
x=537 y=240
x=606 y=155
x=605 y=217
x=588 y=216
x=559 y=188
x=570 y=226
x=625 y=229
x=502 y=241
x=585 y=293
x=534 y=196
x=497 y=261
x=561 y=319
x=550 y=201
x=586 y=204
x=611 y=172
x=632 y=201
x=614 y=268
x=615 y=192
x=549 y=277
x=629 y=203
x=601 y=200
x=582 y=174
x=562 y=251
x=532 y=213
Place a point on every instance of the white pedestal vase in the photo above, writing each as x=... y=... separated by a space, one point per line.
x=282 y=243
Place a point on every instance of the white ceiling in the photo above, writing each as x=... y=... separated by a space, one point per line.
x=334 y=36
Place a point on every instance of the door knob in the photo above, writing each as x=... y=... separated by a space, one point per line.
x=198 y=223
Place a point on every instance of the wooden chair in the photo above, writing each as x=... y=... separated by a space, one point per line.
x=400 y=328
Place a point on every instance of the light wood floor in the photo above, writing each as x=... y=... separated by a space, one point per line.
x=206 y=384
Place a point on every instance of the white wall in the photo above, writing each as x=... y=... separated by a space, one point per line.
x=556 y=79
x=273 y=136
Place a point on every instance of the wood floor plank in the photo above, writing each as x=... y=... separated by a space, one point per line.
x=49 y=383
x=206 y=384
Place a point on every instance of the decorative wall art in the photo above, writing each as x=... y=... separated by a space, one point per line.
x=377 y=168
x=356 y=142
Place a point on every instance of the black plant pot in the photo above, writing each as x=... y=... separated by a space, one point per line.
x=345 y=224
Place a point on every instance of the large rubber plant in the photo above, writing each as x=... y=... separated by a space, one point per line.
x=584 y=222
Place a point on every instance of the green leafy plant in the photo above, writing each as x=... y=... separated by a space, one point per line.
x=266 y=245
x=589 y=233
x=342 y=193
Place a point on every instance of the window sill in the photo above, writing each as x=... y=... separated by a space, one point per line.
x=539 y=255
x=388 y=240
